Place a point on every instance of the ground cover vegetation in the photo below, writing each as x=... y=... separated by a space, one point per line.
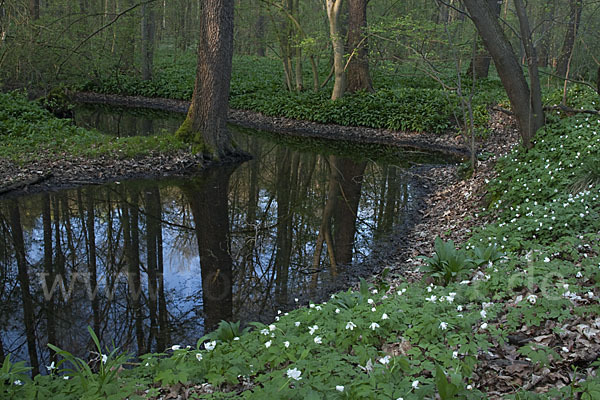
x=29 y=130
x=404 y=100
x=518 y=299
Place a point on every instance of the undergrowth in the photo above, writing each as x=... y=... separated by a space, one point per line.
x=402 y=100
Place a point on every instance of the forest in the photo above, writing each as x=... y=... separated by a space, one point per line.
x=362 y=199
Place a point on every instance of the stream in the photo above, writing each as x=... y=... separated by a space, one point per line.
x=152 y=263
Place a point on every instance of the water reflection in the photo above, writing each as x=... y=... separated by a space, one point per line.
x=148 y=264
x=120 y=121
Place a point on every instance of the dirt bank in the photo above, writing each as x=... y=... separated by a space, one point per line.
x=449 y=143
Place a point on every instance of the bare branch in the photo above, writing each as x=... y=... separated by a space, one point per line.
x=570 y=110
x=103 y=27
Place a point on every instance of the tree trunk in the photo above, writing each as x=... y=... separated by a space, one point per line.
x=206 y=122
x=148 y=33
x=298 y=49
x=537 y=109
x=2 y=354
x=357 y=74
x=283 y=240
x=345 y=213
x=23 y=277
x=598 y=81
x=50 y=274
x=508 y=68
x=153 y=217
x=209 y=192
x=132 y=254
x=34 y=9
x=334 y=9
x=575 y=7
x=546 y=41
x=480 y=64
x=259 y=29
x=92 y=266
x=164 y=336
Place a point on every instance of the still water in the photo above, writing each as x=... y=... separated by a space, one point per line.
x=152 y=263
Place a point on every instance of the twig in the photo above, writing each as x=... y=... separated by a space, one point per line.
x=568 y=79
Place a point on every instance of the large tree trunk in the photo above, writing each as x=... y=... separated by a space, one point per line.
x=357 y=73
x=480 y=64
x=209 y=192
x=206 y=122
x=575 y=7
x=334 y=9
x=508 y=68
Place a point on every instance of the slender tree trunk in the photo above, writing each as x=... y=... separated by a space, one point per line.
x=259 y=33
x=164 y=336
x=546 y=41
x=357 y=74
x=153 y=216
x=283 y=239
x=34 y=9
x=59 y=260
x=509 y=69
x=135 y=284
x=50 y=274
x=598 y=81
x=297 y=50
x=92 y=265
x=298 y=70
x=148 y=33
x=334 y=9
x=537 y=110
x=2 y=354
x=132 y=255
x=23 y=277
x=206 y=122
x=575 y=7
x=285 y=47
x=389 y=211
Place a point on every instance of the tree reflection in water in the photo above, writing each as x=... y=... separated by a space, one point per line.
x=148 y=264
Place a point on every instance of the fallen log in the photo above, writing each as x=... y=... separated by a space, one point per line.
x=22 y=184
